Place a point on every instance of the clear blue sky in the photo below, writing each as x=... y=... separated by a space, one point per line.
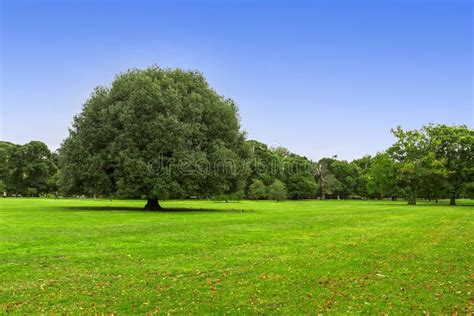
x=318 y=77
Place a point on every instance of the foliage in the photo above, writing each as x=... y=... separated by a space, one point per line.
x=383 y=176
x=453 y=147
x=362 y=166
x=27 y=169
x=297 y=176
x=257 y=190
x=264 y=164
x=434 y=161
x=157 y=133
x=327 y=184
x=347 y=175
x=411 y=155
x=165 y=133
x=6 y=149
x=270 y=165
x=300 y=186
x=277 y=191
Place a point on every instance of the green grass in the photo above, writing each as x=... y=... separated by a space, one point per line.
x=99 y=256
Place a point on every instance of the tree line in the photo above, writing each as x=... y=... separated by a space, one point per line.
x=165 y=133
x=432 y=163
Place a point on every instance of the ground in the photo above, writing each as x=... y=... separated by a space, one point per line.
x=100 y=256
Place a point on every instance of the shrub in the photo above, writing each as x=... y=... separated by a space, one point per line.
x=277 y=191
x=257 y=190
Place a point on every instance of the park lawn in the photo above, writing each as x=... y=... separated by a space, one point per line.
x=101 y=256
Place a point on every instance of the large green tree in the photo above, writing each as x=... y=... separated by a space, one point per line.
x=414 y=159
x=156 y=133
x=453 y=147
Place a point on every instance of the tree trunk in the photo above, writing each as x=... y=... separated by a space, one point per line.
x=452 y=200
x=153 y=205
x=412 y=197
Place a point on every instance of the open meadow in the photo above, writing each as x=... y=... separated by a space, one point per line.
x=236 y=158
x=101 y=256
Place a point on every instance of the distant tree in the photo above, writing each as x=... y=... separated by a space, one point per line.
x=413 y=159
x=282 y=152
x=346 y=174
x=361 y=166
x=3 y=186
x=468 y=190
x=272 y=164
x=297 y=176
x=453 y=147
x=30 y=168
x=264 y=164
x=54 y=183
x=277 y=191
x=382 y=176
x=327 y=184
x=156 y=133
x=300 y=186
x=5 y=152
x=257 y=190
x=434 y=184
x=331 y=186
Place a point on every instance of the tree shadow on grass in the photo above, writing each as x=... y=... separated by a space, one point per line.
x=204 y=210
x=140 y=209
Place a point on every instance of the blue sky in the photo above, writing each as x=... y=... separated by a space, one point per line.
x=321 y=78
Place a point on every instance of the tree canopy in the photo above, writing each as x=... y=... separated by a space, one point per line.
x=453 y=148
x=434 y=160
x=27 y=169
x=277 y=191
x=158 y=133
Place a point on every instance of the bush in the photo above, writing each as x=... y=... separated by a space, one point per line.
x=277 y=191
x=257 y=190
x=301 y=186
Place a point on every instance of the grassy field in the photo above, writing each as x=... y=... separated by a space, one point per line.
x=99 y=256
